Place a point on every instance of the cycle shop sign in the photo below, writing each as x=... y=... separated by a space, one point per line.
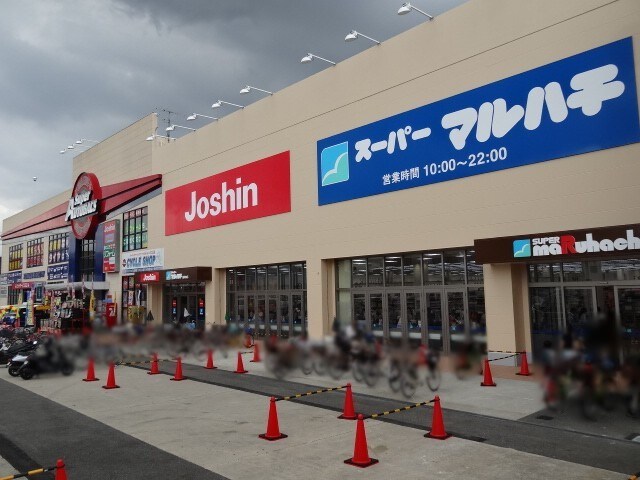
x=140 y=261
x=580 y=104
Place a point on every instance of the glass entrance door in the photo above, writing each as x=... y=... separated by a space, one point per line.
x=628 y=302
x=579 y=307
x=435 y=321
x=413 y=306
x=284 y=316
x=457 y=320
x=395 y=322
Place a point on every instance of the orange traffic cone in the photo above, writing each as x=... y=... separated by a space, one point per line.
x=256 y=354
x=360 y=450
x=61 y=473
x=154 y=365
x=348 y=413
x=209 y=365
x=273 y=429
x=488 y=379
x=91 y=374
x=437 y=423
x=524 y=365
x=178 y=375
x=240 y=365
x=111 y=378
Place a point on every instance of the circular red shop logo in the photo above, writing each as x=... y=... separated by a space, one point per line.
x=84 y=209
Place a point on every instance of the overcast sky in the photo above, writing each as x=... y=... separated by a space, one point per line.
x=73 y=69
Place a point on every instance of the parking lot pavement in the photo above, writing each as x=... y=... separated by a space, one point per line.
x=216 y=428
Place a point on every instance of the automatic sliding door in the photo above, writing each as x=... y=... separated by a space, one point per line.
x=261 y=316
x=413 y=309
x=284 y=316
x=629 y=314
x=435 y=321
x=579 y=307
x=395 y=323
x=375 y=314
x=457 y=319
x=296 y=313
x=272 y=309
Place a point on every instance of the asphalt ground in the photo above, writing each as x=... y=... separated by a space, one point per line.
x=217 y=428
x=593 y=450
x=35 y=431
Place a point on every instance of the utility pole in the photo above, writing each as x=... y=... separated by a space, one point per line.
x=168 y=117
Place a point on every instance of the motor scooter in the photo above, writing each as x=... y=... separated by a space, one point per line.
x=19 y=355
x=38 y=363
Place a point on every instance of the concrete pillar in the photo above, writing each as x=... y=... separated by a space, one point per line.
x=215 y=299
x=320 y=292
x=507 y=309
x=154 y=303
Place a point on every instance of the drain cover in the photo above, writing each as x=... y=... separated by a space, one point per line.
x=544 y=417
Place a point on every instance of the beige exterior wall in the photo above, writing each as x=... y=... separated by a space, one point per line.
x=122 y=156
x=481 y=42
x=476 y=44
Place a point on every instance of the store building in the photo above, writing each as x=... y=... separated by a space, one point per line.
x=419 y=188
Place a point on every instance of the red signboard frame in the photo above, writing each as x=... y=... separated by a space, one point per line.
x=258 y=189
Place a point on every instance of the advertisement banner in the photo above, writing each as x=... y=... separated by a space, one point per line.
x=33 y=275
x=581 y=104
x=14 y=277
x=58 y=272
x=255 y=190
x=142 y=260
x=111 y=253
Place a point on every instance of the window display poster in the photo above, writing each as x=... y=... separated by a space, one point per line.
x=111 y=255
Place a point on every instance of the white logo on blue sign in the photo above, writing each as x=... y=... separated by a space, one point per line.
x=334 y=164
x=521 y=248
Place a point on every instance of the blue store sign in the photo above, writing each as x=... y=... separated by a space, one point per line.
x=58 y=272
x=581 y=104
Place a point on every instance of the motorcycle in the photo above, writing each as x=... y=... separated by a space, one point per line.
x=37 y=364
x=19 y=354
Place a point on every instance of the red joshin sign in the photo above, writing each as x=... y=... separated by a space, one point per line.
x=149 y=277
x=255 y=190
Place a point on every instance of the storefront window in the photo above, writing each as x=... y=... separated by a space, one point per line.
x=284 y=277
x=544 y=272
x=474 y=271
x=411 y=269
x=269 y=298
x=575 y=272
x=231 y=280
x=240 y=279
x=58 y=248
x=375 y=272
x=15 y=257
x=35 y=252
x=251 y=278
x=135 y=230
x=272 y=277
x=432 y=265
x=620 y=270
x=87 y=254
x=359 y=269
x=454 y=267
x=261 y=281
x=477 y=316
x=393 y=271
x=297 y=276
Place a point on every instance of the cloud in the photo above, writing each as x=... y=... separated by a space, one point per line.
x=87 y=68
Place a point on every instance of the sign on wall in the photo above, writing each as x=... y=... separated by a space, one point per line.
x=141 y=260
x=255 y=190
x=83 y=208
x=580 y=104
x=111 y=252
x=14 y=277
x=58 y=272
x=34 y=275
x=605 y=242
